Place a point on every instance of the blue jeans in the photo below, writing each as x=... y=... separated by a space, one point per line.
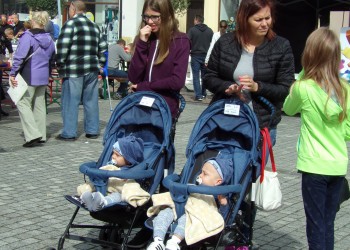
x=321 y=194
x=119 y=73
x=197 y=64
x=74 y=91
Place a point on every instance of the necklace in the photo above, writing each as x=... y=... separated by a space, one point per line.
x=249 y=48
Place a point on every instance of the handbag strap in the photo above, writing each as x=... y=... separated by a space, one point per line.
x=266 y=143
x=31 y=55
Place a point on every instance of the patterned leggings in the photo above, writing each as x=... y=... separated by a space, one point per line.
x=162 y=222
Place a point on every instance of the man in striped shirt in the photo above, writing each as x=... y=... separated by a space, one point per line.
x=80 y=56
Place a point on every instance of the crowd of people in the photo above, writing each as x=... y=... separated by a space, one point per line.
x=251 y=63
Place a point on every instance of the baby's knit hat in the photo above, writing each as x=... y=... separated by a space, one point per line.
x=131 y=148
x=224 y=166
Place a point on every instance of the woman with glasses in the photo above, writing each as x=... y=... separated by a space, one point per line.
x=216 y=36
x=161 y=54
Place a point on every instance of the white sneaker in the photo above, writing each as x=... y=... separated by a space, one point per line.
x=172 y=245
x=156 y=245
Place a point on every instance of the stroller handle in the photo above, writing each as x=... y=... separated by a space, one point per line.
x=182 y=102
x=171 y=182
x=269 y=106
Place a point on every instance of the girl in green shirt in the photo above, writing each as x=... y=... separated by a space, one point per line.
x=322 y=99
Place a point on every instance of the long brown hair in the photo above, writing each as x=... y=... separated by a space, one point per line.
x=246 y=9
x=168 y=25
x=320 y=61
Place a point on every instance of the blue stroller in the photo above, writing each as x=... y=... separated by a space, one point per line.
x=230 y=127
x=145 y=115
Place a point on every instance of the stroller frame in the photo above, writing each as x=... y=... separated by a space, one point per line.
x=209 y=136
x=112 y=231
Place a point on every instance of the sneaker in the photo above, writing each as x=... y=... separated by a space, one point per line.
x=61 y=138
x=117 y=96
x=156 y=245
x=172 y=245
x=200 y=98
x=91 y=136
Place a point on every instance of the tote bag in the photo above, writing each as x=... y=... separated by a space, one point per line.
x=268 y=194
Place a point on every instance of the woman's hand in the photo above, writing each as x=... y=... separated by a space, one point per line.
x=145 y=32
x=132 y=88
x=13 y=82
x=248 y=83
x=233 y=89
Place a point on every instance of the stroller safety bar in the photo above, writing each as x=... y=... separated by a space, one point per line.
x=137 y=172
x=171 y=183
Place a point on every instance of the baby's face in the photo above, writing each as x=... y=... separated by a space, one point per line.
x=119 y=159
x=209 y=175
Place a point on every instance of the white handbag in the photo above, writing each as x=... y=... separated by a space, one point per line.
x=268 y=194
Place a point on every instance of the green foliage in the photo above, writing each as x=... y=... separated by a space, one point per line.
x=49 y=5
x=181 y=6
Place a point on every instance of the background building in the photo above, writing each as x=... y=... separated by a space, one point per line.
x=9 y=7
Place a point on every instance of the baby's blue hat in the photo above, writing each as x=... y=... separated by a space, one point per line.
x=131 y=148
x=224 y=166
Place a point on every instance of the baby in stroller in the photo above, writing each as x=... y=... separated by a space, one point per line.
x=215 y=171
x=127 y=152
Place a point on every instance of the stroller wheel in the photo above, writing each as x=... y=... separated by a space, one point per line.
x=104 y=235
x=60 y=243
x=116 y=235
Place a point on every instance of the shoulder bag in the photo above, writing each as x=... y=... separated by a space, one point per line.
x=268 y=194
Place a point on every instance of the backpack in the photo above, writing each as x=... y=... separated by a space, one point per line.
x=56 y=31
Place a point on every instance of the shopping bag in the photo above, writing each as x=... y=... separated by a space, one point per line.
x=268 y=194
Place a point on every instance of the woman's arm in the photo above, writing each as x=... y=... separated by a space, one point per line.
x=22 y=52
x=138 y=64
x=212 y=80
x=213 y=41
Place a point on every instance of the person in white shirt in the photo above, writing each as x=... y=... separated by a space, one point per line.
x=216 y=36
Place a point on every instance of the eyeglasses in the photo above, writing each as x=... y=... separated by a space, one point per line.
x=223 y=26
x=153 y=18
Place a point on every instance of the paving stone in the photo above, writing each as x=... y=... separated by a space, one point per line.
x=34 y=213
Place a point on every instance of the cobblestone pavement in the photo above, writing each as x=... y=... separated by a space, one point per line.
x=33 y=212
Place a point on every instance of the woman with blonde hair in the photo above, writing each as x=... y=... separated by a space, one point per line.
x=161 y=54
x=33 y=59
x=322 y=99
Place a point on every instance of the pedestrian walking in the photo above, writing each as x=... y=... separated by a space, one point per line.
x=33 y=60
x=200 y=35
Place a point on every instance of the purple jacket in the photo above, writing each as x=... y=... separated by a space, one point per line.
x=165 y=78
x=36 y=70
